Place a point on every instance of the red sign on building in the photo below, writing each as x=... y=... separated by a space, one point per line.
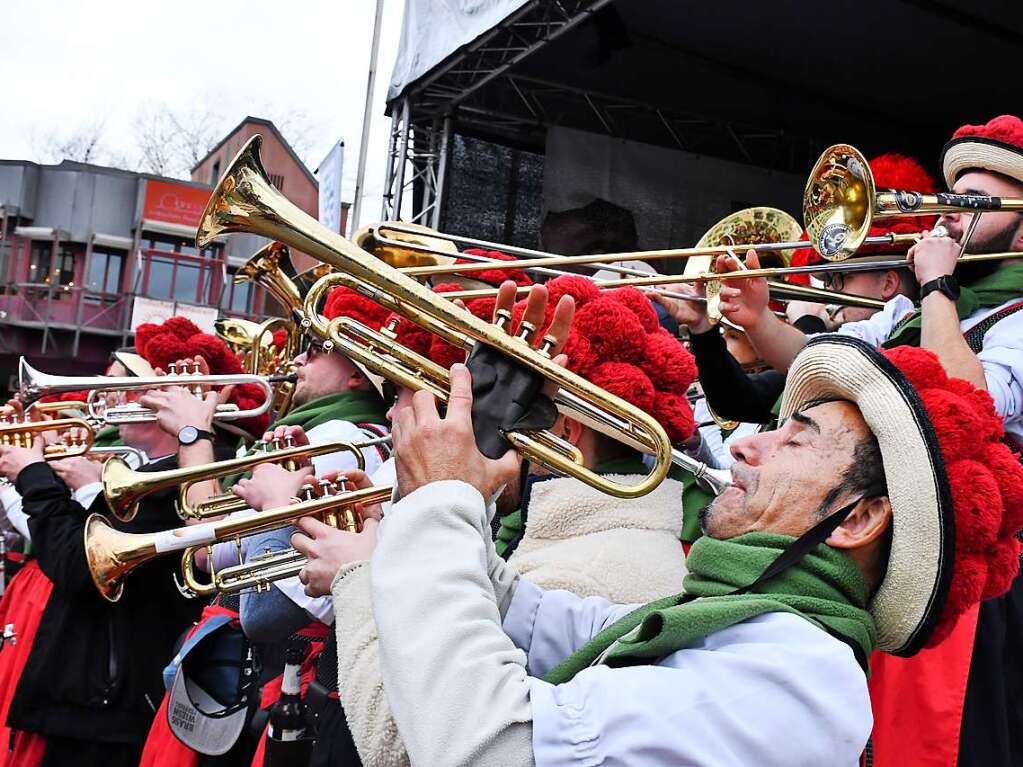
x=174 y=203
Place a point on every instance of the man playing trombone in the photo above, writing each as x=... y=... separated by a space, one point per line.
x=970 y=313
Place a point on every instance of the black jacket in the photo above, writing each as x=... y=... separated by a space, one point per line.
x=95 y=668
x=731 y=392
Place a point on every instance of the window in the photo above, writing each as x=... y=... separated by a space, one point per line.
x=278 y=181
x=236 y=298
x=45 y=268
x=39 y=261
x=175 y=270
x=106 y=267
x=48 y=269
x=215 y=173
x=160 y=277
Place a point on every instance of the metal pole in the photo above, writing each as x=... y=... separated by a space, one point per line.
x=442 y=169
x=367 y=116
x=401 y=160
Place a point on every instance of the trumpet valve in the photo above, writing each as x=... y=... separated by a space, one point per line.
x=547 y=345
x=391 y=328
x=502 y=317
x=172 y=368
x=326 y=487
x=306 y=492
x=526 y=332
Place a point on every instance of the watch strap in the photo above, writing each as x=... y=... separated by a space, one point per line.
x=199 y=434
x=946 y=285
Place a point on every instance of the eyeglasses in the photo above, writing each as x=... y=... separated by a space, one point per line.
x=834 y=281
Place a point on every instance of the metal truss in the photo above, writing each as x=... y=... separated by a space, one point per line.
x=421 y=119
x=521 y=34
x=417 y=159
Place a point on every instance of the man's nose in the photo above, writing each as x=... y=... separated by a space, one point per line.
x=751 y=448
x=301 y=359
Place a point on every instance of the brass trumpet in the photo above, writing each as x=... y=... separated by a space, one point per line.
x=35 y=384
x=245 y=201
x=23 y=433
x=125 y=487
x=380 y=352
x=113 y=554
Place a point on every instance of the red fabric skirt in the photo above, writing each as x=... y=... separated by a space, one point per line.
x=23 y=604
x=918 y=701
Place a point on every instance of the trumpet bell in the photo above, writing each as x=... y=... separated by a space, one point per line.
x=122 y=488
x=107 y=552
x=752 y=226
x=838 y=202
x=400 y=258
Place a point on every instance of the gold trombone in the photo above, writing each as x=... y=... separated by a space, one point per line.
x=125 y=487
x=544 y=263
x=245 y=201
x=841 y=201
x=113 y=554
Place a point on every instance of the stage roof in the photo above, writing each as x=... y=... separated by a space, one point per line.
x=768 y=84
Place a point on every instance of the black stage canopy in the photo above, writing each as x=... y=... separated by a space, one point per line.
x=764 y=83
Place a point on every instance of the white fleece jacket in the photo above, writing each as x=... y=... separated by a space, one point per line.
x=576 y=538
x=584 y=541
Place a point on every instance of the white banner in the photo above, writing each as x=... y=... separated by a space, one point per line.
x=329 y=174
x=145 y=310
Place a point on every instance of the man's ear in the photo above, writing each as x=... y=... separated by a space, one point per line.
x=568 y=429
x=890 y=285
x=356 y=380
x=866 y=523
x=1017 y=241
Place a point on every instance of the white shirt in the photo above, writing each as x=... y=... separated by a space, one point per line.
x=772 y=690
x=1001 y=355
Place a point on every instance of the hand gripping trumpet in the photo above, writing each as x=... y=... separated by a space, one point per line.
x=113 y=554
x=125 y=487
x=245 y=201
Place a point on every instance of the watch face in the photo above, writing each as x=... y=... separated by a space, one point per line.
x=188 y=435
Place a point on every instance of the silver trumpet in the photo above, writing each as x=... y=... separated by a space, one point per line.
x=35 y=385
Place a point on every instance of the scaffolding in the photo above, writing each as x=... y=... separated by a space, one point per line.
x=422 y=118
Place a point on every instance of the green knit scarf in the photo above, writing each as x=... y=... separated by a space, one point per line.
x=354 y=406
x=993 y=290
x=825 y=587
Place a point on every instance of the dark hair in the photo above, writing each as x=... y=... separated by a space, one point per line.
x=864 y=477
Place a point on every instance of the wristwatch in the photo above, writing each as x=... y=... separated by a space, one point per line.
x=946 y=285
x=189 y=435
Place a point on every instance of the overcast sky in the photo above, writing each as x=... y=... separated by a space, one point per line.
x=67 y=63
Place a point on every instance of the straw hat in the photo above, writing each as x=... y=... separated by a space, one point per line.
x=955 y=488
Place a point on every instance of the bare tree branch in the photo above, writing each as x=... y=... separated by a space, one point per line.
x=83 y=144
